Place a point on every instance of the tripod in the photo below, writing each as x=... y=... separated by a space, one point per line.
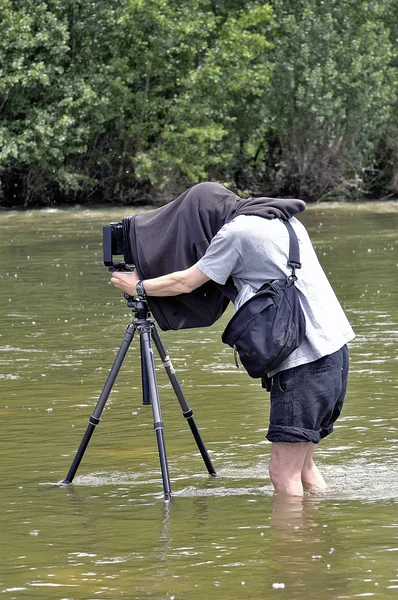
x=148 y=331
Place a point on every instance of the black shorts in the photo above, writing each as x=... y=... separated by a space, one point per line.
x=306 y=400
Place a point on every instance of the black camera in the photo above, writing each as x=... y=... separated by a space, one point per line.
x=116 y=242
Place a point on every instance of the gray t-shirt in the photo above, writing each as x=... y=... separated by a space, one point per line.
x=252 y=250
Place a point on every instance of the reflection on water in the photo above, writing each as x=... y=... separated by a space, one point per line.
x=111 y=534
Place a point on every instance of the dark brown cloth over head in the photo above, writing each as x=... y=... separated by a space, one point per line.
x=174 y=237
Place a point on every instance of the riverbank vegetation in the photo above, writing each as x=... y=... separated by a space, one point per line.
x=131 y=101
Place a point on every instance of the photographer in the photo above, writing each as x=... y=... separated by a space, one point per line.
x=250 y=244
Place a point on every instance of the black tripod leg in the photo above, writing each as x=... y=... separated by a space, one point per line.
x=144 y=379
x=95 y=417
x=148 y=364
x=186 y=410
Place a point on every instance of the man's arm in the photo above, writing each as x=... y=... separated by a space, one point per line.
x=179 y=282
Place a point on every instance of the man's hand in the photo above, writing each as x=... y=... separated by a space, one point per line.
x=125 y=281
x=179 y=282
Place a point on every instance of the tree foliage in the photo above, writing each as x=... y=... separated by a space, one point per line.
x=332 y=93
x=126 y=100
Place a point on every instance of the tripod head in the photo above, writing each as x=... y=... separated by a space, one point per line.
x=138 y=305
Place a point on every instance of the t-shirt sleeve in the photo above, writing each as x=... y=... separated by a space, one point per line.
x=221 y=257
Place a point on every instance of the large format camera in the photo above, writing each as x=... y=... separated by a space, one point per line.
x=116 y=242
x=172 y=238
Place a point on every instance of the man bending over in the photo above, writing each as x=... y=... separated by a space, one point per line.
x=308 y=389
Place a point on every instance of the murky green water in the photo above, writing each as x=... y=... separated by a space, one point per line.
x=110 y=534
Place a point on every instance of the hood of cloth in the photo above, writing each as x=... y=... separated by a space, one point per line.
x=175 y=236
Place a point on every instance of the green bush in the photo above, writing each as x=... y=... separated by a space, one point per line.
x=113 y=100
x=132 y=100
x=330 y=96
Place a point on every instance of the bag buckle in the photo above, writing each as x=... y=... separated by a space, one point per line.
x=236 y=357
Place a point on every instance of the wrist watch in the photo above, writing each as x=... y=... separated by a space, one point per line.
x=140 y=288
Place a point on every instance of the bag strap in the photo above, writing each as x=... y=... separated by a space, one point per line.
x=294 y=249
x=230 y=291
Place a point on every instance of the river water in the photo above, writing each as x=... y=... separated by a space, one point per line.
x=110 y=534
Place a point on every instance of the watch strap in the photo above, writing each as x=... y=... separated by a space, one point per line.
x=140 y=288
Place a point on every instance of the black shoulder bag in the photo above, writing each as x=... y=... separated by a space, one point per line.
x=267 y=328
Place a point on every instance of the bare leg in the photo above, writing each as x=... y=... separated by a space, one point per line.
x=310 y=476
x=286 y=465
